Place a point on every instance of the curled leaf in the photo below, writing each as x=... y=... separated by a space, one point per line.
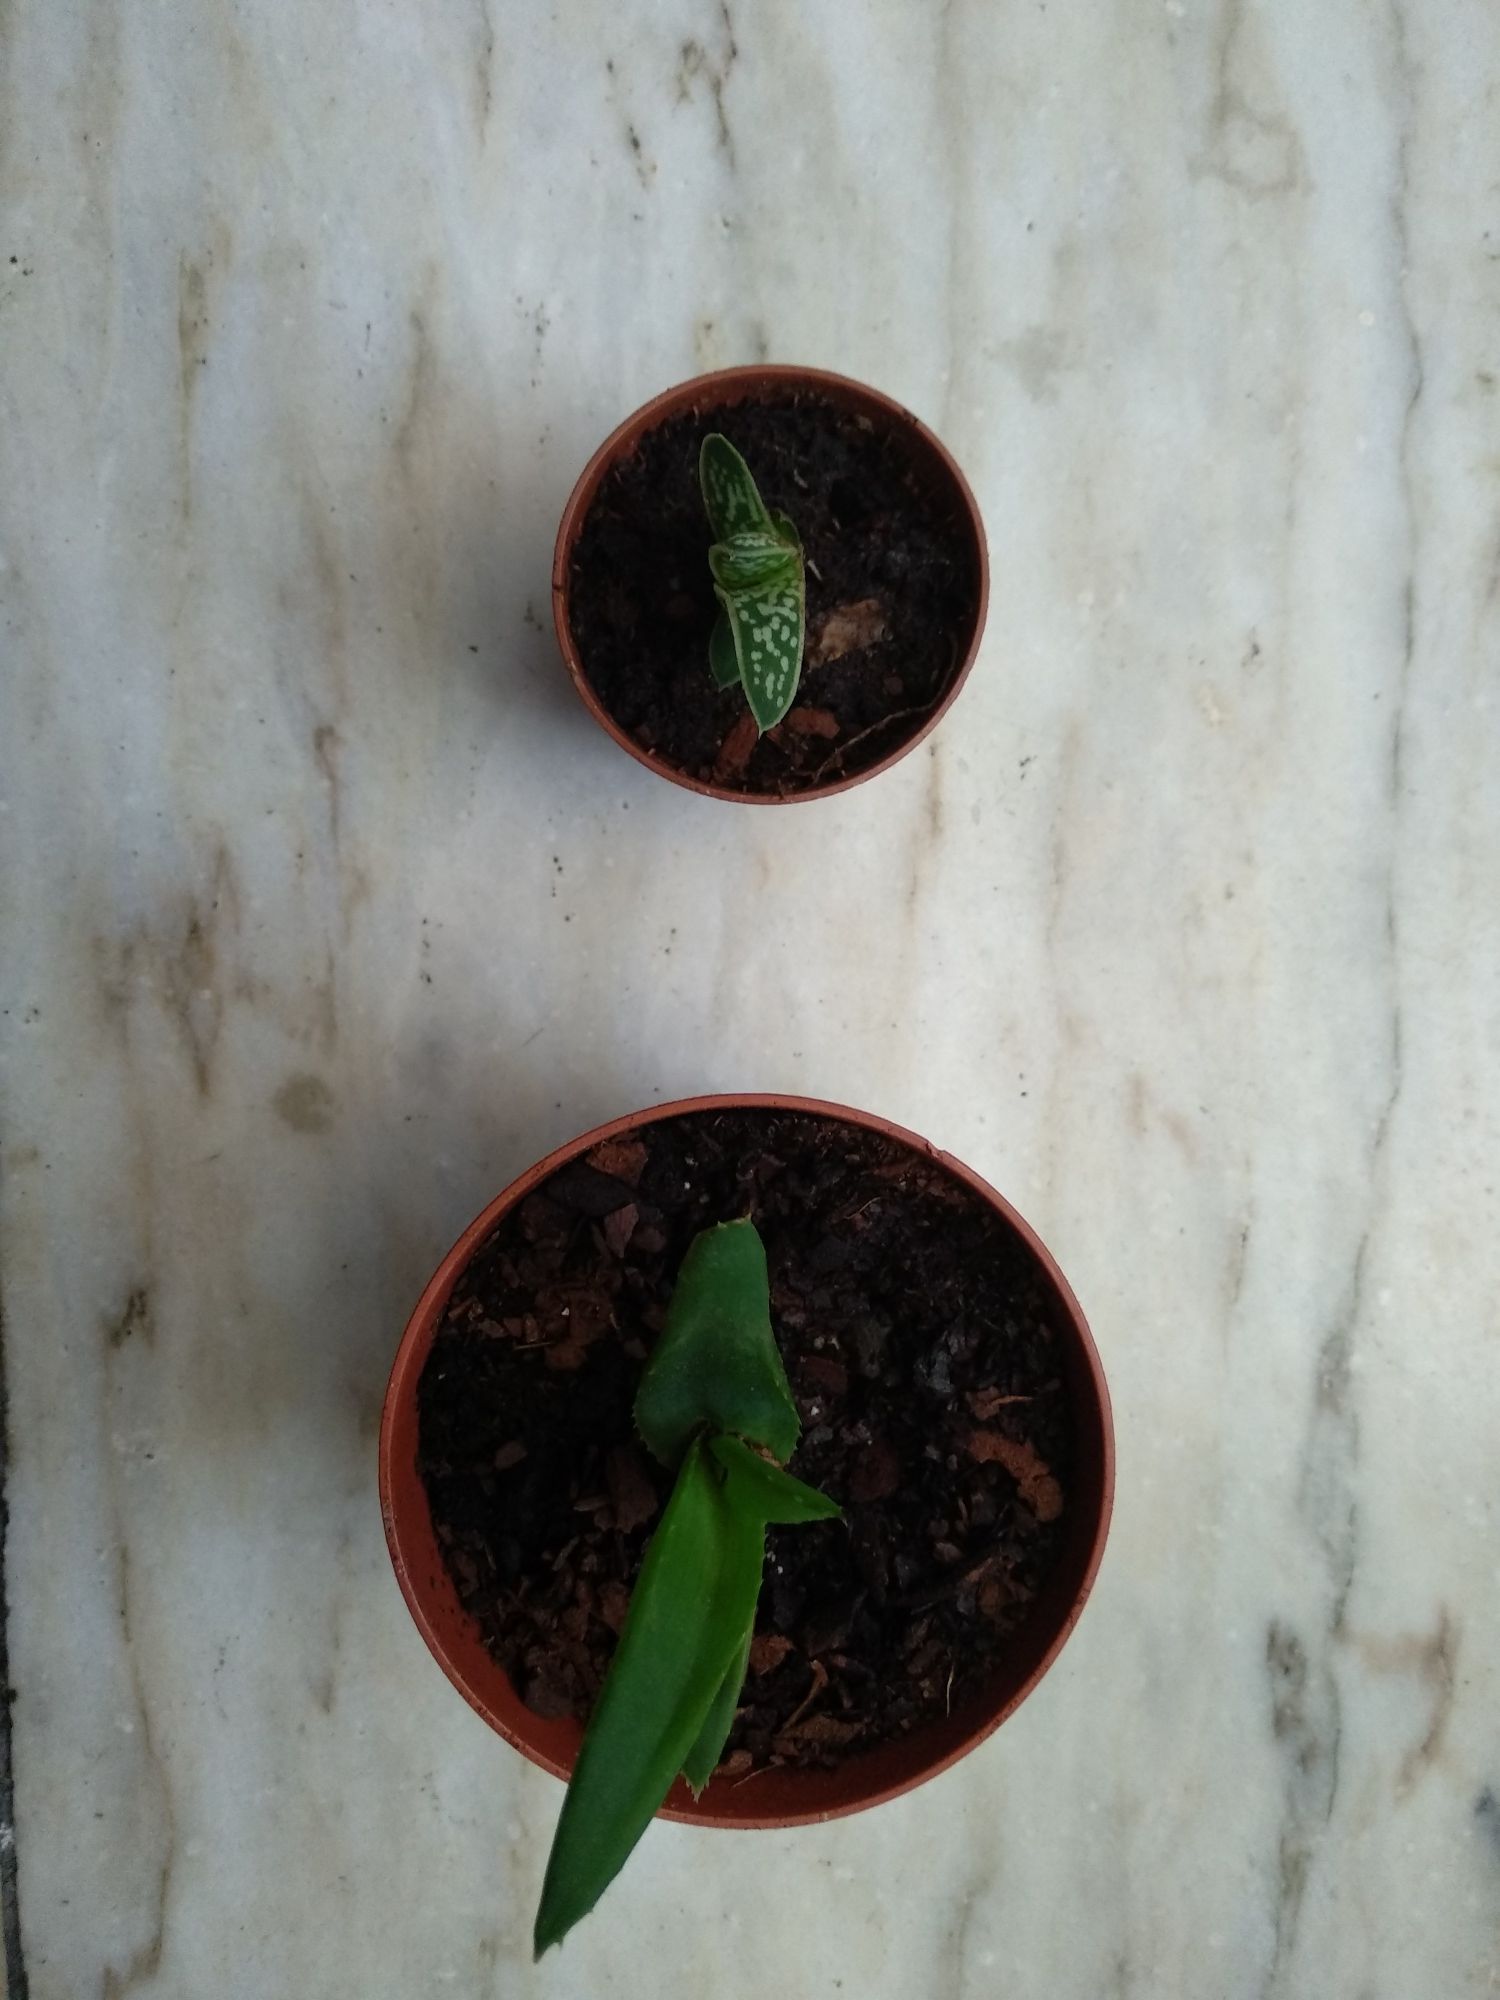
x=716 y=1365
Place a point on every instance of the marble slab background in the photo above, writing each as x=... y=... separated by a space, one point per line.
x=327 y=910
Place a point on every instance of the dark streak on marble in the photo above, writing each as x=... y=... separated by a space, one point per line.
x=184 y=968
x=1487 y=1812
x=325 y=743
x=484 y=70
x=1239 y=1257
x=145 y=1961
x=17 y=1982
x=134 y=1318
x=1306 y=1724
x=1437 y=1663
x=1256 y=152
x=695 y=61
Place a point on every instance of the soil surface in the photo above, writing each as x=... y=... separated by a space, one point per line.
x=891 y=590
x=929 y=1381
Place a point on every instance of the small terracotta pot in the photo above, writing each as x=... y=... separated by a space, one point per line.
x=777 y=1797
x=935 y=469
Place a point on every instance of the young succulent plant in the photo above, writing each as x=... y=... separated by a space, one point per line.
x=756 y=560
x=713 y=1397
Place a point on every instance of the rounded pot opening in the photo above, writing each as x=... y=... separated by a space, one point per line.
x=777 y=1796
x=834 y=763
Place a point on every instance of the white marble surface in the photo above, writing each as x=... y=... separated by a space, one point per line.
x=327 y=910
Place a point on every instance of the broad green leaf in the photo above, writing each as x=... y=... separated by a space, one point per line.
x=767 y=625
x=691 y=1610
x=701 y=1761
x=723 y=660
x=787 y=529
x=730 y=495
x=752 y=561
x=716 y=1365
x=765 y=1490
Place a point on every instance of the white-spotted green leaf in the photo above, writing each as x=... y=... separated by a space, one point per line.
x=752 y=562
x=786 y=528
x=768 y=629
x=723 y=660
x=729 y=493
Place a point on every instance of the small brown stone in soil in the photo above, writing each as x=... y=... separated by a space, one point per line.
x=546 y=1698
x=876 y=1473
x=1026 y=1467
x=812 y=722
x=737 y=749
x=824 y=1373
x=737 y=1764
x=767 y=1651
x=824 y=1732
x=846 y=628
x=614 y=1602
x=985 y=1402
x=621 y=1158
x=630 y=1487
x=620 y=1227
x=509 y=1455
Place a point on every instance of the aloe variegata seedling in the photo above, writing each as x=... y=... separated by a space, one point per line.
x=713 y=1397
x=756 y=560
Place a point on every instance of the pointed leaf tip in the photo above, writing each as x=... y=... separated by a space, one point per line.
x=730 y=493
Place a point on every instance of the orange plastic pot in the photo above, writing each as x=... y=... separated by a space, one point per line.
x=777 y=1797
x=935 y=470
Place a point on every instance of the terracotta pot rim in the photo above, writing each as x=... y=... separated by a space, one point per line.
x=749 y=380
x=516 y=1723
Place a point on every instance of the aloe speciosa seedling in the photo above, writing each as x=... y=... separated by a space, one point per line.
x=756 y=560
x=713 y=1400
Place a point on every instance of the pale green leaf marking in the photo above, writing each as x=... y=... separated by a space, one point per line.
x=729 y=493
x=716 y=1365
x=752 y=561
x=768 y=635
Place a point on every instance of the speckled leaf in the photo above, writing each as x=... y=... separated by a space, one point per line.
x=768 y=632
x=752 y=562
x=730 y=495
x=787 y=529
x=716 y=1365
x=723 y=660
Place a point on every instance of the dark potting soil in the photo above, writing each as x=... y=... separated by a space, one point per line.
x=891 y=590
x=929 y=1381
